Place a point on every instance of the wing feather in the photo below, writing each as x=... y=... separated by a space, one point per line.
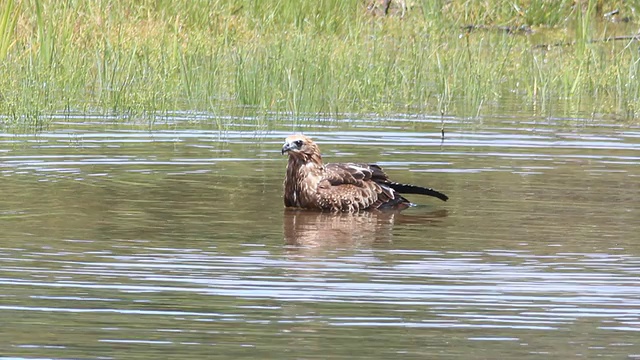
x=354 y=186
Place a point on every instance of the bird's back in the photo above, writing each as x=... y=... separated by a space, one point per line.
x=359 y=186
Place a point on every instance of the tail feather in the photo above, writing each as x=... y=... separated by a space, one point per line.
x=414 y=189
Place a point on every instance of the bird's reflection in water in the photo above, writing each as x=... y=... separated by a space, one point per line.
x=305 y=229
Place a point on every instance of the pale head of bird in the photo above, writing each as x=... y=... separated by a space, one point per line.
x=302 y=147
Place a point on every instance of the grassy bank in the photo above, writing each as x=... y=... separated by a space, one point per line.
x=144 y=58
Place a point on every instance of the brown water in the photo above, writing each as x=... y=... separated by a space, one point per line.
x=121 y=243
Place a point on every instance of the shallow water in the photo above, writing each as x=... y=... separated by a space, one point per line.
x=122 y=242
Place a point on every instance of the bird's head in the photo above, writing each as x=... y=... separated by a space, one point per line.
x=301 y=147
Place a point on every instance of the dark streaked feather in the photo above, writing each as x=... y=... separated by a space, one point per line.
x=357 y=174
x=414 y=189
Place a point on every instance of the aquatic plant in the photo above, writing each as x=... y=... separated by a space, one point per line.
x=315 y=58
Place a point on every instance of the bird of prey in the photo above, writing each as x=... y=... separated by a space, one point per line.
x=340 y=187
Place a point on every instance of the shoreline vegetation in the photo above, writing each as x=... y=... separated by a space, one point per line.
x=323 y=58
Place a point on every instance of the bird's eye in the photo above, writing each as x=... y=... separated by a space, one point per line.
x=298 y=143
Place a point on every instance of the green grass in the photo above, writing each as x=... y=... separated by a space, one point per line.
x=147 y=58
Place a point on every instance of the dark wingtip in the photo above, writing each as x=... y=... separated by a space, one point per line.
x=435 y=193
x=413 y=189
x=442 y=196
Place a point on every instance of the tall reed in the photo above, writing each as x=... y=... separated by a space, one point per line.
x=8 y=17
x=312 y=58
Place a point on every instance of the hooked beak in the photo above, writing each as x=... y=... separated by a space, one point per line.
x=285 y=148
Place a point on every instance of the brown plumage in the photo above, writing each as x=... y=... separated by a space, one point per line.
x=311 y=184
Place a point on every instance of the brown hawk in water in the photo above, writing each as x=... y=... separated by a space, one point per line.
x=350 y=187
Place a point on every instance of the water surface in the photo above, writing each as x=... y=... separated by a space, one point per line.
x=119 y=241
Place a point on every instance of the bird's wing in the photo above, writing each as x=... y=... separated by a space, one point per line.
x=381 y=178
x=348 y=173
x=350 y=186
